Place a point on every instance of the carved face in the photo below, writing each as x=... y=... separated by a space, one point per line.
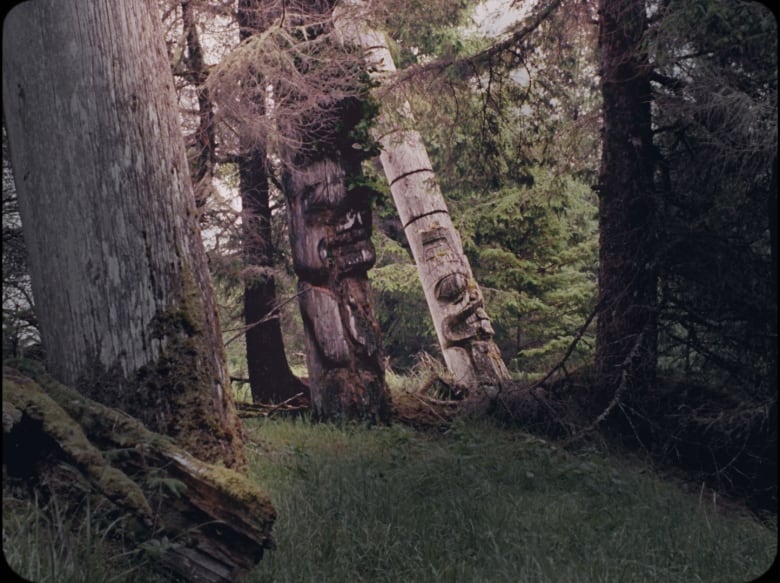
x=331 y=226
x=454 y=289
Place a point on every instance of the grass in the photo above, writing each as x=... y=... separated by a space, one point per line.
x=477 y=503
x=49 y=543
x=480 y=503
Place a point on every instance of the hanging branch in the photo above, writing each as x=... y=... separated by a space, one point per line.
x=486 y=56
x=561 y=363
x=625 y=376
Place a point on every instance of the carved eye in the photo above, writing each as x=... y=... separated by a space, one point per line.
x=353 y=216
x=322 y=250
x=451 y=287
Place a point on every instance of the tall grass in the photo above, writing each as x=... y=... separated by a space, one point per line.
x=479 y=503
x=476 y=503
x=62 y=542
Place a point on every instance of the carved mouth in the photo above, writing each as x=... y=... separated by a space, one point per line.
x=471 y=322
x=359 y=255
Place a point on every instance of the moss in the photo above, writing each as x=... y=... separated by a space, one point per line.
x=240 y=488
x=177 y=395
x=211 y=511
x=28 y=399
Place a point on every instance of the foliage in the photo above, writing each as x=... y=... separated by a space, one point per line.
x=401 y=309
x=716 y=133
x=514 y=154
x=423 y=27
x=295 y=91
x=534 y=252
x=20 y=331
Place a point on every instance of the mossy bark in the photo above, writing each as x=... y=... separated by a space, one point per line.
x=220 y=520
x=118 y=270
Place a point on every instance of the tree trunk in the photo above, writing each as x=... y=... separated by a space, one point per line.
x=454 y=299
x=330 y=236
x=203 y=141
x=627 y=207
x=270 y=377
x=119 y=274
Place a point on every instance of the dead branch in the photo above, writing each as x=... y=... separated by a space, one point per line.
x=625 y=377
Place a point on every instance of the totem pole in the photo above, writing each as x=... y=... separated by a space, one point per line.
x=330 y=235
x=453 y=296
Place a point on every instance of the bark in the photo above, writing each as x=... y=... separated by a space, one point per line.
x=118 y=270
x=220 y=520
x=330 y=236
x=204 y=139
x=627 y=206
x=454 y=299
x=270 y=377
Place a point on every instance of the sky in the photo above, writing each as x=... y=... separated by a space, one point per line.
x=492 y=17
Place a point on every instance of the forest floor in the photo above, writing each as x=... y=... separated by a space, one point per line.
x=466 y=501
x=479 y=502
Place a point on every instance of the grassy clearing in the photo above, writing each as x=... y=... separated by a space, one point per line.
x=479 y=503
x=476 y=503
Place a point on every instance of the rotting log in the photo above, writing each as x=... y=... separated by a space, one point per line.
x=218 y=521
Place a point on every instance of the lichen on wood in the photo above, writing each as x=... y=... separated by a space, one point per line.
x=220 y=520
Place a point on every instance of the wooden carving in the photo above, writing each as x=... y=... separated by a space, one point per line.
x=330 y=233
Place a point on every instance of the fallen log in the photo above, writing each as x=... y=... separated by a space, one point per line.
x=218 y=522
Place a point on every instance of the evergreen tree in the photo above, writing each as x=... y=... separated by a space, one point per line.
x=270 y=377
x=626 y=328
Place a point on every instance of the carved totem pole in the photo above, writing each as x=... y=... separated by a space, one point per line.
x=453 y=296
x=330 y=235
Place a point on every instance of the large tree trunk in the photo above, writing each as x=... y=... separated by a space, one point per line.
x=118 y=269
x=270 y=377
x=454 y=299
x=626 y=327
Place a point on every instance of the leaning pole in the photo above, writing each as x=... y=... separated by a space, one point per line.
x=454 y=299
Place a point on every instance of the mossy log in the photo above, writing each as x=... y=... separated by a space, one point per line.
x=218 y=521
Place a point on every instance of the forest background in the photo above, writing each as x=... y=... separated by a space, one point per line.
x=514 y=136
x=513 y=122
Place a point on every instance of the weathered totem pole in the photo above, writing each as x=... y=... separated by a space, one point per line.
x=330 y=235
x=453 y=295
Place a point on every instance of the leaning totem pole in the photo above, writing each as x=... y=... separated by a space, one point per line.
x=454 y=299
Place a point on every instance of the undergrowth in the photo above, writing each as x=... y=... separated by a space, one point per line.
x=474 y=503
